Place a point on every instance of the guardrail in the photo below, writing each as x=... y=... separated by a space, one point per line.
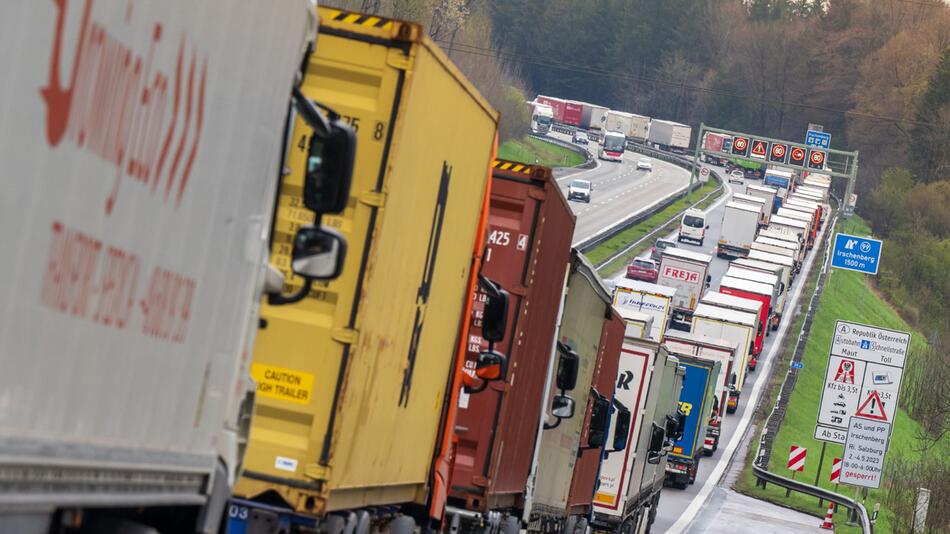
x=588 y=157
x=774 y=420
x=659 y=229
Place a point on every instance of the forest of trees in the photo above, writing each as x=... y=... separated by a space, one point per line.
x=875 y=73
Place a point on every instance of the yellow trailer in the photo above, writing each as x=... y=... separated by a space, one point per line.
x=352 y=379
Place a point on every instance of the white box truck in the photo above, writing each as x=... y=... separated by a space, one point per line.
x=807 y=218
x=639 y=128
x=140 y=147
x=651 y=299
x=669 y=135
x=766 y=193
x=765 y=208
x=716 y=350
x=770 y=279
x=772 y=235
x=736 y=327
x=619 y=121
x=792 y=228
x=740 y=223
x=782 y=272
x=630 y=486
x=688 y=273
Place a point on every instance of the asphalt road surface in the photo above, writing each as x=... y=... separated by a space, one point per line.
x=619 y=189
x=678 y=508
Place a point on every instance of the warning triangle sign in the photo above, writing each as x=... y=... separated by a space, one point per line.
x=872 y=408
x=759 y=148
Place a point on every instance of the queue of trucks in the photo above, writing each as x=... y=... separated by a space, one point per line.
x=379 y=326
x=597 y=121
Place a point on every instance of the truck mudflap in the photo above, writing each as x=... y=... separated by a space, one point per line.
x=711 y=440
x=681 y=472
x=732 y=403
x=725 y=250
x=682 y=319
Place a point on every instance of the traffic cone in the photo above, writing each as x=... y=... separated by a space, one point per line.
x=829 y=523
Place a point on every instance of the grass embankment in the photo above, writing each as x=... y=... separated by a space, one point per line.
x=529 y=149
x=846 y=296
x=623 y=239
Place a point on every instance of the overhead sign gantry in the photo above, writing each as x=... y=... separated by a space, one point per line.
x=814 y=155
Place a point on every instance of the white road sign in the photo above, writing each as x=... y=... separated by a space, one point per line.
x=863 y=377
x=864 y=450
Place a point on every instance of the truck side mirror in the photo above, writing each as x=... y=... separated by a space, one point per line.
x=622 y=429
x=680 y=426
x=732 y=381
x=491 y=365
x=657 y=441
x=330 y=156
x=329 y=171
x=495 y=314
x=599 y=419
x=563 y=407
x=568 y=361
x=318 y=253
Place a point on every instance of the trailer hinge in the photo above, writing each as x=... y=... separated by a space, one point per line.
x=373 y=198
x=347 y=336
x=317 y=471
x=397 y=59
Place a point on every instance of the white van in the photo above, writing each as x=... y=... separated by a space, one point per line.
x=693 y=226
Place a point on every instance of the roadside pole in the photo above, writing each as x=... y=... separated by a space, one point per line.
x=821 y=460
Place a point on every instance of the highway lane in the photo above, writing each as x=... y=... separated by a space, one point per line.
x=674 y=502
x=620 y=189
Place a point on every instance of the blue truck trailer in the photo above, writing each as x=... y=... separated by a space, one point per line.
x=696 y=403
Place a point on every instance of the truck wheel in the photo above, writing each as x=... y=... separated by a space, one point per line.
x=693 y=472
x=701 y=241
x=403 y=524
x=680 y=485
x=511 y=525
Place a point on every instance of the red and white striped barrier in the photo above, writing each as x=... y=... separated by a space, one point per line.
x=836 y=470
x=796 y=458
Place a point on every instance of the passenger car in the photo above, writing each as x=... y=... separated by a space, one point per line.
x=579 y=189
x=645 y=164
x=643 y=269
x=661 y=244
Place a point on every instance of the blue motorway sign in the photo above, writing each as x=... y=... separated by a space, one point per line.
x=818 y=139
x=798 y=365
x=854 y=253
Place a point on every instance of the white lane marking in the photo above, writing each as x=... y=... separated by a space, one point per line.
x=700 y=499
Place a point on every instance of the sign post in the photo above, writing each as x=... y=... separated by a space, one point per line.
x=863 y=378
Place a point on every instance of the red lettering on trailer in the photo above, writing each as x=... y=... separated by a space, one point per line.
x=85 y=276
x=114 y=105
x=680 y=274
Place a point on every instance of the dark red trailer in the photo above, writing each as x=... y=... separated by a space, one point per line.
x=573 y=111
x=530 y=227
x=605 y=374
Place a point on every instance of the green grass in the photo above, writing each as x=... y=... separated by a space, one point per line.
x=529 y=149
x=623 y=239
x=848 y=297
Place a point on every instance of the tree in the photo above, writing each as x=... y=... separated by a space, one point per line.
x=931 y=135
